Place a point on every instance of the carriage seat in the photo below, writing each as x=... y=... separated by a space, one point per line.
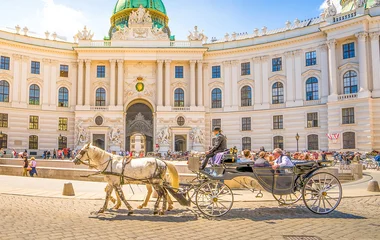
x=304 y=165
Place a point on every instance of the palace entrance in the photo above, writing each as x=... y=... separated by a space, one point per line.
x=99 y=141
x=139 y=128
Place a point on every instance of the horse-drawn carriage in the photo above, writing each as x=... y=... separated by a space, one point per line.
x=320 y=191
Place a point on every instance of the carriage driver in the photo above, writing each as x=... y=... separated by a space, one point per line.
x=281 y=160
x=220 y=145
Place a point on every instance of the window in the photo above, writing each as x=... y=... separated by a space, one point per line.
x=178 y=71
x=216 y=98
x=312 y=89
x=181 y=121
x=246 y=124
x=246 y=143
x=62 y=142
x=311 y=58
x=246 y=96
x=278 y=142
x=35 y=67
x=33 y=122
x=62 y=124
x=216 y=72
x=64 y=71
x=101 y=71
x=216 y=123
x=348 y=50
x=349 y=140
x=34 y=94
x=312 y=120
x=312 y=142
x=278 y=122
x=3 y=120
x=179 y=98
x=33 y=142
x=348 y=116
x=63 y=98
x=4 y=63
x=246 y=69
x=4 y=91
x=277 y=93
x=276 y=64
x=100 y=97
x=3 y=141
x=350 y=82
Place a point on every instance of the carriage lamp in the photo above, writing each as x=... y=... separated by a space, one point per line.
x=297 y=138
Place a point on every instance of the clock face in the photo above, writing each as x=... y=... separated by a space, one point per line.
x=140 y=87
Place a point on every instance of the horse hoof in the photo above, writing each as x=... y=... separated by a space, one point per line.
x=170 y=208
x=101 y=211
x=155 y=213
x=161 y=213
x=130 y=213
x=140 y=207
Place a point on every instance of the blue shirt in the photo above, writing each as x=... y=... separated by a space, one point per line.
x=377 y=158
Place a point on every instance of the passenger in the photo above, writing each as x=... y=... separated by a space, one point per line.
x=246 y=158
x=220 y=145
x=281 y=160
x=261 y=161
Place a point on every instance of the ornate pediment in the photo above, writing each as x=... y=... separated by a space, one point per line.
x=277 y=77
x=248 y=82
x=311 y=73
x=6 y=76
x=35 y=80
x=348 y=66
x=179 y=85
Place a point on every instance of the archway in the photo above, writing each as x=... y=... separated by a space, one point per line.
x=139 y=122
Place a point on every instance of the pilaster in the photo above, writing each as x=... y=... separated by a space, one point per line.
x=375 y=53
x=112 y=95
x=80 y=92
x=192 y=83
x=120 y=82
x=168 y=92
x=363 y=64
x=88 y=89
x=332 y=70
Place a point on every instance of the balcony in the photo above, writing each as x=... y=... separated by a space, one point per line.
x=180 y=109
x=99 y=108
x=347 y=97
x=311 y=103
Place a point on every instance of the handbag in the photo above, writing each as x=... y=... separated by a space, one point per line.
x=28 y=169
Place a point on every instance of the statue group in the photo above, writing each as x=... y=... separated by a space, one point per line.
x=140 y=16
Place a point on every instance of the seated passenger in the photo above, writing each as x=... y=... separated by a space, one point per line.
x=247 y=157
x=281 y=160
x=261 y=161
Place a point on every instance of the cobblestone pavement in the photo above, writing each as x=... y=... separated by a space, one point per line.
x=51 y=218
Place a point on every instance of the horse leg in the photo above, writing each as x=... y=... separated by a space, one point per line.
x=121 y=195
x=148 y=195
x=159 y=193
x=118 y=201
x=165 y=199
x=108 y=194
x=111 y=198
x=170 y=202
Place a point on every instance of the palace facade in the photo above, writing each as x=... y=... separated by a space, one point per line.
x=141 y=89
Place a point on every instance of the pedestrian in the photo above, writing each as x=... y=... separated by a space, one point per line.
x=324 y=157
x=26 y=167
x=69 y=153
x=48 y=154
x=33 y=165
x=14 y=153
x=54 y=154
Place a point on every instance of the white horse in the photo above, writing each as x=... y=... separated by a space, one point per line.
x=143 y=171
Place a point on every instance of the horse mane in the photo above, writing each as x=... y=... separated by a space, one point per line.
x=99 y=153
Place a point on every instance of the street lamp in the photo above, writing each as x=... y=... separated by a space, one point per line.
x=297 y=138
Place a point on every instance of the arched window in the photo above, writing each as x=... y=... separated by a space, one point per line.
x=179 y=98
x=216 y=98
x=4 y=91
x=3 y=140
x=350 y=82
x=100 y=97
x=33 y=142
x=246 y=96
x=62 y=142
x=312 y=92
x=278 y=93
x=34 y=94
x=278 y=142
x=63 y=97
x=349 y=140
x=246 y=143
x=312 y=142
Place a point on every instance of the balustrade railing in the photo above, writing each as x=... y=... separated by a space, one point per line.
x=180 y=109
x=99 y=108
x=345 y=16
x=277 y=106
x=347 y=96
x=312 y=102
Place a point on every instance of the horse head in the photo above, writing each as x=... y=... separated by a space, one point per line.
x=79 y=157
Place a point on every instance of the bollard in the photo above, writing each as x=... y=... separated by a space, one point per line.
x=68 y=190
x=373 y=186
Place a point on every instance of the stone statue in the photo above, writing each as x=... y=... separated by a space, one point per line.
x=82 y=134
x=197 y=136
x=140 y=16
x=121 y=33
x=84 y=35
x=360 y=3
x=163 y=136
x=195 y=35
x=330 y=10
x=147 y=17
x=376 y=3
x=114 y=135
x=159 y=33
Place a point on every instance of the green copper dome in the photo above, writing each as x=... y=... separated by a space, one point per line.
x=151 y=4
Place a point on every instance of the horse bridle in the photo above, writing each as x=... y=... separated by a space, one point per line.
x=87 y=161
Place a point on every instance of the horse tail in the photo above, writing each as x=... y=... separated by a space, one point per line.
x=173 y=173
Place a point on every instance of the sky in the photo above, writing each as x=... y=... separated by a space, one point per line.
x=215 y=17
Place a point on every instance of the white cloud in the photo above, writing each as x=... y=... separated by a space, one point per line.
x=63 y=20
x=336 y=4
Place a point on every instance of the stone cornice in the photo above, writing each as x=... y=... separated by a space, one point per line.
x=362 y=35
x=374 y=36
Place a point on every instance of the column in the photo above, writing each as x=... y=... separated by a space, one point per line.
x=375 y=63
x=73 y=73
x=53 y=83
x=332 y=70
x=324 y=81
x=363 y=66
x=16 y=79
x=112 y=82
x=168 y=93
x=46 y=89
x=192 y=83
x=87 y=88
x=258 y=82
x=290 y=94
x=297 y=88
x=24 y=75
x=206 y=88
x=234 y=84
x=120 y=82
x=265 y=80
x=80 y=82
x=200 y=83
x=227 y=84
x=159 y=84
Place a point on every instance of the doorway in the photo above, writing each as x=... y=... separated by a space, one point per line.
x=180 y=143
x=98 y=140
x=138 y=143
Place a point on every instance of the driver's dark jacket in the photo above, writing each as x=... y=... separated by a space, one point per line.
x=220 y=144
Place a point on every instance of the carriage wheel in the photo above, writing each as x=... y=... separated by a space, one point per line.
x=191 y=194
x=214 y=199
x=322 y=193
x=288 y=199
